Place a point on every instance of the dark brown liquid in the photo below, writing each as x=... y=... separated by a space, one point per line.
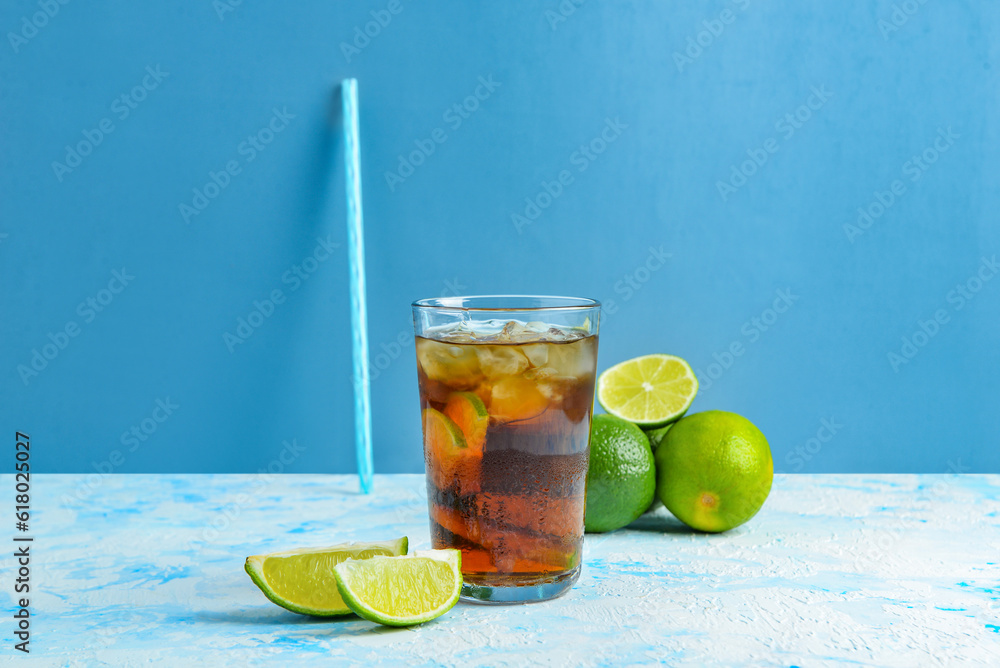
x=516 y=510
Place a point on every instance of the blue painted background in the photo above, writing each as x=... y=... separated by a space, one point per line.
x=629 y=125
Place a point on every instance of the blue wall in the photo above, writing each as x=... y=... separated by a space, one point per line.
x=793 y=311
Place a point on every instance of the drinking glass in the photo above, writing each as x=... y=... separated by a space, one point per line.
x=506 y=396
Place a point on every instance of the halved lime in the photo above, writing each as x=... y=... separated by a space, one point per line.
x=303 y=581
x=401 y=591
x=651 y=391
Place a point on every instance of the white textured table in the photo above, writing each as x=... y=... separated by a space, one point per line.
x=897 y=570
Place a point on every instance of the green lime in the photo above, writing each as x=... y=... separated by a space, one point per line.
x=621 y=479
x=303 y=581
x=401 y=591
x=469 y=413
x=651 y=391
x=442 y=436
x=450 y=462
x=714 y=470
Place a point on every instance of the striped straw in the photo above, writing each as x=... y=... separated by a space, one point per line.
x=359 y=314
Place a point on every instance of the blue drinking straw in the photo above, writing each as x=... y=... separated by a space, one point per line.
x=356 y=255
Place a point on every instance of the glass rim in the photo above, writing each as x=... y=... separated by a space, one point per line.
x=465 y=303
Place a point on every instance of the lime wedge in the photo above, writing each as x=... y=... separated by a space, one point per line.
x=442 y=436
x=401 y=591
x=651 y=391
x=468 y=411
x=303 y=581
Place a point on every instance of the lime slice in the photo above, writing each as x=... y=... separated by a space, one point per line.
x=650 y=391
x=442 y=436
x=401 y=591
x=468 y=411
x=451 y=463
x=303 y=581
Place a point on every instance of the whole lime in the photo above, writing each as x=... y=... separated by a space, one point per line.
x=714 y=470
x=621 y=479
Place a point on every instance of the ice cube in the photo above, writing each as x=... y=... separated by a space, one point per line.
x=458 y=332
x=457 y=366
x=500 y=361
x=516 y=398
x=556 y=334
x=575 y=359
x=516 y=332
x=551 y=384
x=537 y=354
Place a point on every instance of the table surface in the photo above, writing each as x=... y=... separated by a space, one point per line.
x=874 y=570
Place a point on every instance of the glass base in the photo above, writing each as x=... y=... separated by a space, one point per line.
x=534 y=591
